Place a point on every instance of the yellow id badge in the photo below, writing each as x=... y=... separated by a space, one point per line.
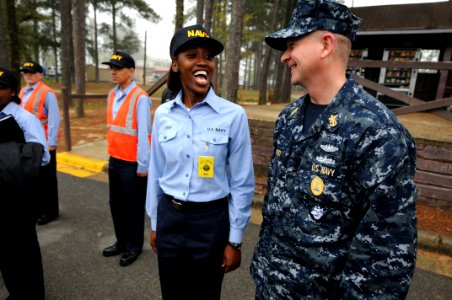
x=205 y=166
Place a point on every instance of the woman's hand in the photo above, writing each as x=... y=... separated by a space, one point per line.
x=231 y=259
x=152 y=241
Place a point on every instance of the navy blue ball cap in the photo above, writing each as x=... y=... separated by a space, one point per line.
x=120 y=60
x=7 y=79
x=192 y=36
x=31 y=66
x=311 y=15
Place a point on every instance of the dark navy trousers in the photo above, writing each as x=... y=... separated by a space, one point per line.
x=20 y=255
x=190 y=245
x=47 y=189
x=127 y=203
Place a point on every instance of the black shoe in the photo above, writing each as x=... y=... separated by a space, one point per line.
x=44 y=219
x=113 y=250
x=128 y=258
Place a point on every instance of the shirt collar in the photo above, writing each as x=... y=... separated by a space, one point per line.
x=211 y=99
x=33 y=86
x=10 y=108
x=126 y=90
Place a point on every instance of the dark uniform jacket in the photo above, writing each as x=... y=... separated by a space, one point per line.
x=19 y=168
x=339 y=215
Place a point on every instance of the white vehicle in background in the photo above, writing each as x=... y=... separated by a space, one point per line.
x=51 y=72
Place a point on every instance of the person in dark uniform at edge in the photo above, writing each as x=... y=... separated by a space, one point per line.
x=20 y=255
x=41 y=100
x=128 y=137
x=339 y=217
x=201 y=178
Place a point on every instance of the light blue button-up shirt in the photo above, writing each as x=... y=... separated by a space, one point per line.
x=143 y=123
x=31 y=127
x=51 y=110
x=216 y=128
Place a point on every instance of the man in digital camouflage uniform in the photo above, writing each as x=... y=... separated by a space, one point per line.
x=339 y=216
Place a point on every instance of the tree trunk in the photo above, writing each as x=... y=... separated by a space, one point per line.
x=286 y=86
x=13 y=37
x=231 y=75
x=115 y=38
x=257 y=64
x=199 y=12
x=66 y=45
x=208 y=11
x=4 y=53
x=245 y=73
x=54 y=46
x=179 y=14
x=79 y=54
x=144 y=58
x=278 y=84
x=96 y=46
x=267 y=56
x=36 y=43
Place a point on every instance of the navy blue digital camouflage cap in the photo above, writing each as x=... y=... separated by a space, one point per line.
x=311 y=15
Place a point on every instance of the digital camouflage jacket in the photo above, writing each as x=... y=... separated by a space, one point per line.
x=339 y=215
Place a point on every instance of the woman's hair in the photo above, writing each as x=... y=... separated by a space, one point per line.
x=174 y=83
x=15 y=98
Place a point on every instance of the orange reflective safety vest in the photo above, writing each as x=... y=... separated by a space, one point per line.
x=36 y=101
x=122 y=133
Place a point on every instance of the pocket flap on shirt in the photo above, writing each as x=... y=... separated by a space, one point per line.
x=167 y=135
x=214 y=138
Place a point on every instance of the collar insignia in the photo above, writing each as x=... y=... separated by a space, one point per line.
x=333 y=120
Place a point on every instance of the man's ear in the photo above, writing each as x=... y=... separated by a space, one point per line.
x=328 y=41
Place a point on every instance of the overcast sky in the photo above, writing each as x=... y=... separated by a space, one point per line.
x=159 y=35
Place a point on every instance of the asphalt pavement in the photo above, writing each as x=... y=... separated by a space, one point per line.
x=74 y=267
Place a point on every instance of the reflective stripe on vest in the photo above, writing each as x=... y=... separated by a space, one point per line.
x=128 y=129
x=35 y=104
x=122 y=133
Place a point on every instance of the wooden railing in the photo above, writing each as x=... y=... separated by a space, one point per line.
x=414 y=104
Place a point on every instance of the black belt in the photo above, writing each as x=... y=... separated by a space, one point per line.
x=190 y=205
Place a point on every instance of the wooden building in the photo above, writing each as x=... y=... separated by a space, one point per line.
x=407 y=29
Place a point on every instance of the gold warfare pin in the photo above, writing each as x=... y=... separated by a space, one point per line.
x=333 y=120
x=317 y=186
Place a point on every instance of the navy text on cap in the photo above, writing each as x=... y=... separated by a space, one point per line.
x=191 y=36
x=120 y=60
x=32 y=67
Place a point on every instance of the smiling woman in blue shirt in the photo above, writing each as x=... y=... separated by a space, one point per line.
x=201 y=178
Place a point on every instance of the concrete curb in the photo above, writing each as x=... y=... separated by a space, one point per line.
x=434 y=242
x=82 y=162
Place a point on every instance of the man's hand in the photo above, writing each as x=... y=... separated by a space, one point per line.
x=142 y=174
x=51 y=148
x=152 y=241
x=231 y=259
